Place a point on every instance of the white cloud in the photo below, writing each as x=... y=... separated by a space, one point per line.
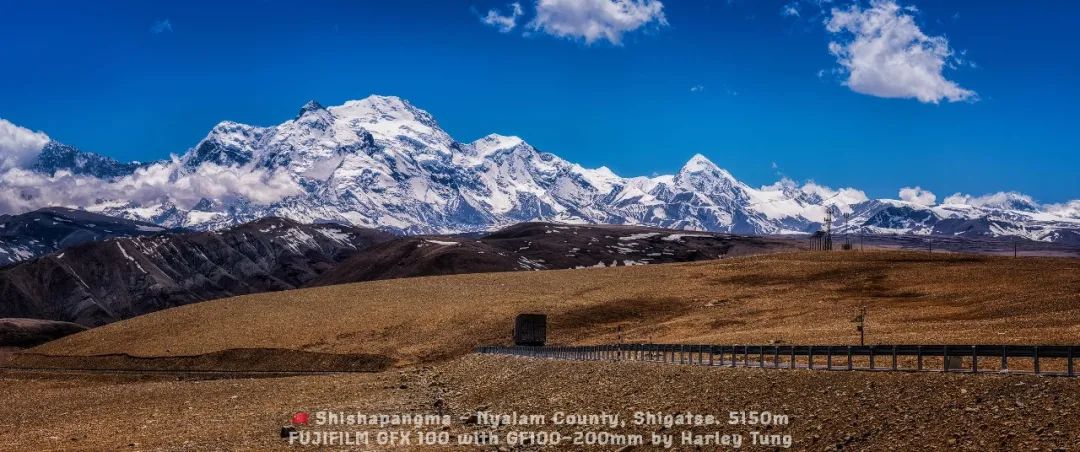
x=161 y=26
x=841 y=196
x=22 y=190
x=594 y=20
x=503 y=23
x=697 y=88
x=1070 y=209
x=916 y=195
x=885 y=54
x=790 y=10
x=19 y=145
x=1011 y=200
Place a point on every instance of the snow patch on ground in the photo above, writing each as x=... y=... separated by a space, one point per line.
x=678 y=237
x=128 y=257
x=442 y=242
x=643 y=235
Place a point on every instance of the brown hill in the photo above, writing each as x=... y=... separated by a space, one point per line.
x=798 y=297
x=101 y=282
x=31 y=332
x=542 y=246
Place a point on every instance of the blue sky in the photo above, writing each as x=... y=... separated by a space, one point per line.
x=754 y=88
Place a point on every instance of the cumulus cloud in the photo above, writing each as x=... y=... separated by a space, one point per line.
x=829 y=196
x=19 y=145
x=505 y=23
x=916 y=195
x=1002 y=199
x=594 y=20
x=697 y=88
x=1070 y=209
x=22 y=190
x=885 y=54
x=161 y=26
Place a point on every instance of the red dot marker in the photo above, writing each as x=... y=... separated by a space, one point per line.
x=300 y=418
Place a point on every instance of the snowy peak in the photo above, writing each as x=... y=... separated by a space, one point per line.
x=228 y=144
x=56 y=156
x=700 y=167
x=701 y=174
x=310 y=106
x=492 y=144
x=379 y=109
x=699 y=163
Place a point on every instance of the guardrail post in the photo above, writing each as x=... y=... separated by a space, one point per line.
x=1069 y=365
x=828 y=358
x=945 y=358
x=761 y=356
x=810 y=358
x=918 y=360
x=776 y=357
x=1004 y=358
x=974 y=359
x=871 y=357
x=791 y=364
x=712 y=351
x=746 y=356
x=1036 y=360
x=894 y=357
x=849 y=366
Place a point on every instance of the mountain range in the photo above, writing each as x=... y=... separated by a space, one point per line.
x=381 y=162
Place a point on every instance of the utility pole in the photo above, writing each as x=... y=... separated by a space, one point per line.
x=1014 y=249
x=618 y=329
x=828 y=230
x=847 y=232
x=930 y=245
x=860 y=325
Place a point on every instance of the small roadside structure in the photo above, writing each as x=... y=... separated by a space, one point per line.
x=530 y=329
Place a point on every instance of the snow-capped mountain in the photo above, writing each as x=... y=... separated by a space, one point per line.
x=382 y=162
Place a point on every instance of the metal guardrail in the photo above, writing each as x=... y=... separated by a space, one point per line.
x=915 y=358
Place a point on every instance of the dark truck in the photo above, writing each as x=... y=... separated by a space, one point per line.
x=530 y=329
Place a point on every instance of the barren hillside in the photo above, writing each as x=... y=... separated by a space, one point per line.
x=797 y=297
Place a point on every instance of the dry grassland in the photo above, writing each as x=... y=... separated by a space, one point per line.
x=798 y=297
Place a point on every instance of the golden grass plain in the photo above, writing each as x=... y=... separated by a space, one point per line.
x=794 y=297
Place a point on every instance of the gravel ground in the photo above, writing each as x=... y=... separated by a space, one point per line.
x=825 y=410
x=828 y=410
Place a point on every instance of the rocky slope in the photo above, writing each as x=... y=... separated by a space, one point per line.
x=50 y=229
x=541 y=246
x=382 y=162
x=101 y=282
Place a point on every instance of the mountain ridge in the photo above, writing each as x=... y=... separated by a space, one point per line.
x=381 y=162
